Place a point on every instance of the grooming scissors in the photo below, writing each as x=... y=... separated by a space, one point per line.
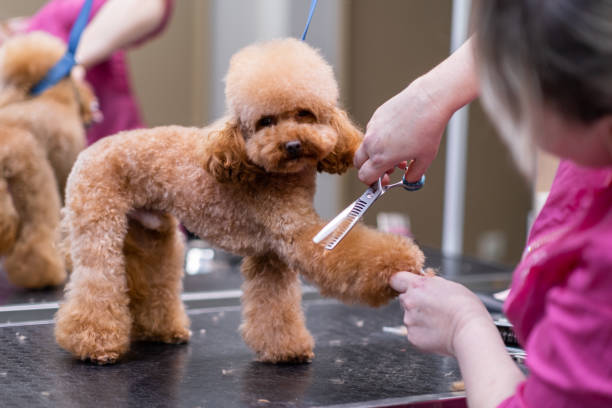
x=337 y=228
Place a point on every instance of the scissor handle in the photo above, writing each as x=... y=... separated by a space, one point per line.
x=414 y=186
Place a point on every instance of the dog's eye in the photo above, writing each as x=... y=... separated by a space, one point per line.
x=304 y=115
x=265 y=121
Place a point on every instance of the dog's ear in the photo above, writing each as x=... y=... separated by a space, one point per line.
x=349 y=138
x=227 y=159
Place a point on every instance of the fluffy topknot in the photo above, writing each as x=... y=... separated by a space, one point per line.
x=277 y=76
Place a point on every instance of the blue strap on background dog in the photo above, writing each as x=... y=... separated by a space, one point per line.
x=62 y=68
x=313 y=4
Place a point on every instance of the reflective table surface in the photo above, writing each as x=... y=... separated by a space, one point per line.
x=362 y=358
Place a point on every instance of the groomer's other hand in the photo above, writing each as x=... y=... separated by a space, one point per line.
x=407 y=126
x=437 y=311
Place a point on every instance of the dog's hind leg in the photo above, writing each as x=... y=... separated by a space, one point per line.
x=273 y=321
x=94 y=322
x=154 y=260
x=29 y=193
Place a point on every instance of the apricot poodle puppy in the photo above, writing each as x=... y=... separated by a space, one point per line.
x=40 y=138
x=245 y=184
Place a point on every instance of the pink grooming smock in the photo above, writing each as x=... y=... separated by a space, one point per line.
x=561 y=297
x=110 y=78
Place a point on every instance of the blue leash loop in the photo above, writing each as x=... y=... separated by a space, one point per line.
x=313 y=5
x=62 y=68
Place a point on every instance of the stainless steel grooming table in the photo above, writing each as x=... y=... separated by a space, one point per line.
x=361 y=361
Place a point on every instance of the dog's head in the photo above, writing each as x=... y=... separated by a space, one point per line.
x=282 y=99
x=25 y=59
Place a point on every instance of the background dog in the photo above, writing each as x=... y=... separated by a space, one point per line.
x=40 y=138
x=245 y=184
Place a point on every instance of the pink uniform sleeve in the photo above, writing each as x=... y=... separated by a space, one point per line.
x=55 y=17
x=570 y=349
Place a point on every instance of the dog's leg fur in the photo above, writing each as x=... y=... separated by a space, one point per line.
x=33 y=261
x=154 y=261
x=9 y=219
x=359 y=268
x=273 y=322
x=95 y=322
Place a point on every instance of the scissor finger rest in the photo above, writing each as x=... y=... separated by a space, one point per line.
x=414 y=186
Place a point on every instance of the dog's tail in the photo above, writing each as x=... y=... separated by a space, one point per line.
x=9 y=219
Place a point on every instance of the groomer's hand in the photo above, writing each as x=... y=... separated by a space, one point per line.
x=437 y=311
x=407 y=126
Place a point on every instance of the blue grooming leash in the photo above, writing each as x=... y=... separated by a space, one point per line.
x=313 y=5
x=62 y=68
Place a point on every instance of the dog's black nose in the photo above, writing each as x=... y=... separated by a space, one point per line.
x=294 y=149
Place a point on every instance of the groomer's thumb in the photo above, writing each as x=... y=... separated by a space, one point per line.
x=401 y=281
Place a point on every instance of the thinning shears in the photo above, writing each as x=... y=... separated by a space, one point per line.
x=337 y=228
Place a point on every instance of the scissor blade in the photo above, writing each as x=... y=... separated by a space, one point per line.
x=331 y=226
x=344 y=221
x=358 y=210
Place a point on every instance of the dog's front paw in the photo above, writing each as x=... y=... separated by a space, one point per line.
x=179 y=336
x=103 y=358
x=359 y=269
x=175 y=336
x=296 y=356
x=279 y=345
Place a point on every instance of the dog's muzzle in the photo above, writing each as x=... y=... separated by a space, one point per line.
x=294 y=149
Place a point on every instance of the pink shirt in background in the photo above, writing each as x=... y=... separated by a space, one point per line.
x=110 y=78
x=561 y=297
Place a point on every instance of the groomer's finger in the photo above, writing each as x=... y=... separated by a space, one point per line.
x=368 y=173
x=402 y=281
x=415 y=171
x=360 y=157
x=385 y=179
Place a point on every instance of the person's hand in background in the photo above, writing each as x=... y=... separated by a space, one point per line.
x=409 y=126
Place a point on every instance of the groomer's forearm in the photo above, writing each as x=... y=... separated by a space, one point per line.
x=489 y=374
x=118 y=24
x=453 y=83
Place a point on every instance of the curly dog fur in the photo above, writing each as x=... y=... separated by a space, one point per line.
x=40 y=139
x=245 y=184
